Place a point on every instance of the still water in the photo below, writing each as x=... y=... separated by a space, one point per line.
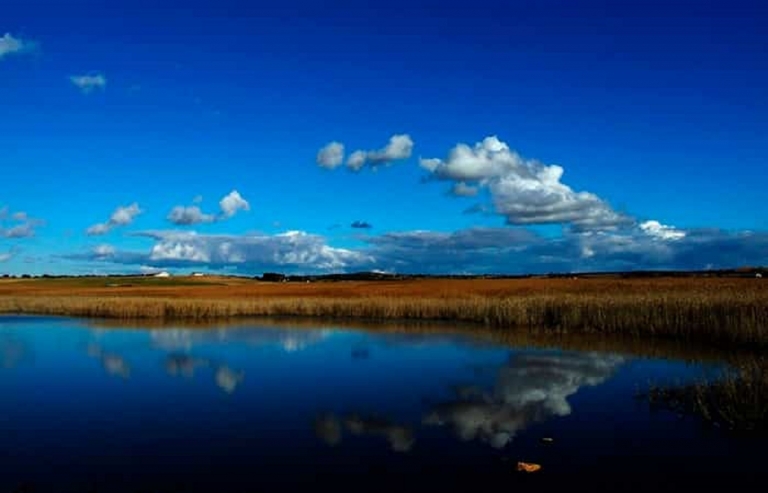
x=269 y=408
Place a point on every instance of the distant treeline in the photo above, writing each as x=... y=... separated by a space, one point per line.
x=380 y=276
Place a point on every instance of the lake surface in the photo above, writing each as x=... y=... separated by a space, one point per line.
x=258 y=408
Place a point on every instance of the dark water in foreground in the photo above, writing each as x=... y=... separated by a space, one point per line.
x=270 y=409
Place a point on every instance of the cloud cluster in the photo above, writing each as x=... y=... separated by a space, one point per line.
x=399 y=147
x=292 y=249
x=229 y=205
x=523 y=191
x=10 y=45
x=530 y=388
x=518 y=250
x=17 y=224
x=122 y=216
x=503 y=250
x=89 y=82
x=295 y=251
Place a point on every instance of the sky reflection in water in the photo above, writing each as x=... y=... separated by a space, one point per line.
x=105 y=409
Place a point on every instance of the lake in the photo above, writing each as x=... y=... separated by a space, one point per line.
x=86 y=406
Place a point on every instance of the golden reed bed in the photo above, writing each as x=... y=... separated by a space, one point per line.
x=732 y=312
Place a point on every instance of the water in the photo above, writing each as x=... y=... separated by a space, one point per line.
x=255 y=408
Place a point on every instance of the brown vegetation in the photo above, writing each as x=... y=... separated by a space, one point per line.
x=738 y=401
x=730 y=312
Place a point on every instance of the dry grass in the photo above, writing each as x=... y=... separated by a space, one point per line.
x=732 y=312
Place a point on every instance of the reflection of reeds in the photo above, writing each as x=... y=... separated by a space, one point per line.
x=737 y=401
x=719 y=316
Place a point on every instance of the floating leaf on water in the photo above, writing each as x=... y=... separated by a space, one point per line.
x=528 y=467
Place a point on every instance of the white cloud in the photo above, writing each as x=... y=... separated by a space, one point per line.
x=104 y=250
x=461 y=189
x=400 y=147
x=10 y=45
x=98 y=229
x=146 y=269
x=523 y=191
x=4 y=257
x=189 y=215
x=331 y=156
x=229 y=205
x=25 y=230
x=89 y=83
x=232 y=203
x=17 y=224
x=122 y=216
x=661 y=231
x=356 y=160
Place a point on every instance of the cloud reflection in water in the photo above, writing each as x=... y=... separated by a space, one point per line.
x=114 y=364
x=530 y=388
x=328 y=427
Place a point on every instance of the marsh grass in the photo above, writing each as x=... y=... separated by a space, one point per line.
x=738 y=401
x=722 y=317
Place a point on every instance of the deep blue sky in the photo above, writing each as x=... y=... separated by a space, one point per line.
x=657 y=109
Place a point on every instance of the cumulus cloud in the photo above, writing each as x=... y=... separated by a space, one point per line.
x=229 y=205
x=10 y=45
x=661 y=231
x=181 y=215
x=89 y=82
x=331 y=155
x=524 y=191
x=17 y=224
x=400 y=147
x=361 y=225
x=122 y=216
x=530 y=388
x=6 y=256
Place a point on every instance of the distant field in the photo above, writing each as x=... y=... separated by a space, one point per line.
x=724 y=311
x=238 y=288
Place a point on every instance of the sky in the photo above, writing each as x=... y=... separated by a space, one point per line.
x=413 y=136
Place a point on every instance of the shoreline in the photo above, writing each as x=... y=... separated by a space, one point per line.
x=719 y=312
